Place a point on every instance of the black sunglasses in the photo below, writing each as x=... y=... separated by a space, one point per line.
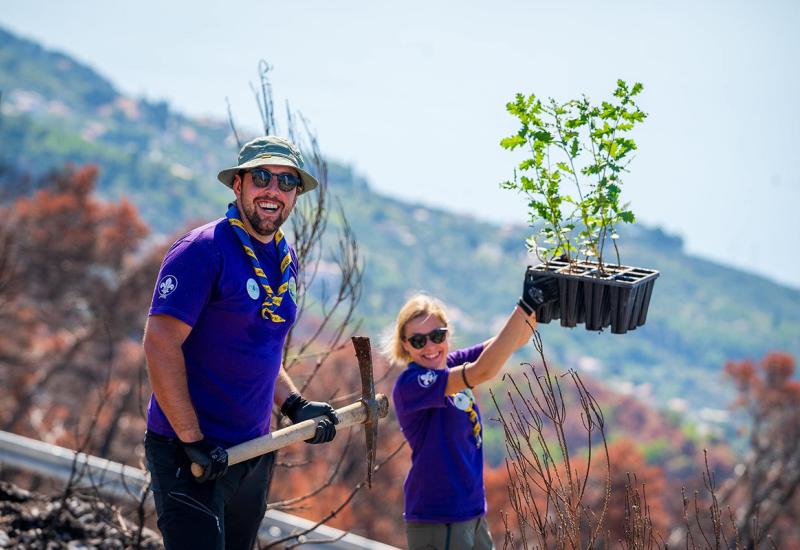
x=437 y=336
x=286 y=181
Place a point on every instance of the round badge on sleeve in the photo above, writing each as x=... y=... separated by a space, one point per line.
x=167 y=285
x=427 y=378
x=252 y=289
x=293 y=289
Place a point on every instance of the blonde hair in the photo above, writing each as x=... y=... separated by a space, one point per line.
x=420 y=304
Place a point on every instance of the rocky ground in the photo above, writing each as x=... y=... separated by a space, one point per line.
x=31 y=521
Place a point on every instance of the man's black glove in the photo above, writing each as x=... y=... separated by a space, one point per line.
x=213 y=458
x=298 y=409
x=537 y=291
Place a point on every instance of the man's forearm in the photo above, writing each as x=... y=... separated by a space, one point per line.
x=168 y=379
x=283 y=387
x=167 y=371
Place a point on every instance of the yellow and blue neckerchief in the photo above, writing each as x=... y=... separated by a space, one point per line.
x=272 y=301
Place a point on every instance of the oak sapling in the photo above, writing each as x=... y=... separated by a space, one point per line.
x=585 y=147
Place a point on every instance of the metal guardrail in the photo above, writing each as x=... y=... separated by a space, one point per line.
x=123 y=481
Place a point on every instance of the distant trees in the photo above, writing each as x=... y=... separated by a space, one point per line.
x=764 y=492
x=73 y=294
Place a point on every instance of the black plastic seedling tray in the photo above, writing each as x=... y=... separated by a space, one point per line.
x=616 y=297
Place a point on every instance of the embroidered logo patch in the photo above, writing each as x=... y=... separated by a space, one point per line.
x=427 y=378
x=252 y=289
x=293 y=289
x=167 y=285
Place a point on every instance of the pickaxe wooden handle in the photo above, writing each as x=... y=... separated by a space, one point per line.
x=351 y=415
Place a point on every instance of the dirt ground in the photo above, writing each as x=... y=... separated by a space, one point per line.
x=32 y=521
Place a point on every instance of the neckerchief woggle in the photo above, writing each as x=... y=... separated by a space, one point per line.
x=473 y=416
x=271 y=307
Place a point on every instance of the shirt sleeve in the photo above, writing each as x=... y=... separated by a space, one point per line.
x=186 y=280
x=419 y=388
x=466 y=355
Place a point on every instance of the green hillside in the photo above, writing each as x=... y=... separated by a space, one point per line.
x=56 y=110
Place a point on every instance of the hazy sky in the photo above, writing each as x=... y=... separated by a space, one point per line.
x=413 y=93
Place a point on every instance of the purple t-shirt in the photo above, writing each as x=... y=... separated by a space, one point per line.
x=232 y=354
x=445 y=483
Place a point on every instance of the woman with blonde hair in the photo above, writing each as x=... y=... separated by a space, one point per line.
x=445 y=504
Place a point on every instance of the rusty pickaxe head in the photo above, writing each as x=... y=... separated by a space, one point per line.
x=376 y=408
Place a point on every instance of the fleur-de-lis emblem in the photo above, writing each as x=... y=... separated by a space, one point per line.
x=426 y=379
x=166 y=285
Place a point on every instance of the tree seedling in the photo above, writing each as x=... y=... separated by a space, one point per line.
x=582 y=146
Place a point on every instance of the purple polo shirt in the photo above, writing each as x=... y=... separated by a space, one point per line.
x=445 y=483
x=232 y=354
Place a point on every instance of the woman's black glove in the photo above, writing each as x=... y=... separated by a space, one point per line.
x=213 y=458
x=537 y=291
x=299 y=409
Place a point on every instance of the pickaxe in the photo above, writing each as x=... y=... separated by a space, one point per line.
x=366 y=411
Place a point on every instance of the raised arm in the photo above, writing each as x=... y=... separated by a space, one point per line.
x=536 y=291
x=515 y=333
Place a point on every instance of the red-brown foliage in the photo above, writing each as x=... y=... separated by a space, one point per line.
x=74 y=301
x=768 y=479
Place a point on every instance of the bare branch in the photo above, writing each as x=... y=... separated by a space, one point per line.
x=342 y=505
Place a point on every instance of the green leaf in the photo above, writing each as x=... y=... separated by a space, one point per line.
x=527 y=184
x=512 y=142
x=543 y=136
x=526 y=164
x=564 y=166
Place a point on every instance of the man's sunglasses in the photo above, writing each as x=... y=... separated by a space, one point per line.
x=437 y=336
x=286 y=181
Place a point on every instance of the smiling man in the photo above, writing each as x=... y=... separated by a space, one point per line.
x=224 y=301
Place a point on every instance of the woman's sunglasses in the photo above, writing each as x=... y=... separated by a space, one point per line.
x=286 y=181
x=437 y=336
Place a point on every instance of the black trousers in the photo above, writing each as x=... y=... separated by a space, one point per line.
x=223 y=514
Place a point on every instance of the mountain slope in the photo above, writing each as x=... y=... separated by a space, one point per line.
x=56 y=110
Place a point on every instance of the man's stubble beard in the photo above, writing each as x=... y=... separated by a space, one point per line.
x=265 y=228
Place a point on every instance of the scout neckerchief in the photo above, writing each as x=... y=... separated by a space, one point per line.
x=473 y=416
x=272 y=302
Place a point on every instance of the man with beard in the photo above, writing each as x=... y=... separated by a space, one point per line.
x=225 y=299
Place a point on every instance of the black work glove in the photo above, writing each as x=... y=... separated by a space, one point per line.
x=298 y=409
x=213 y=458
x=537 y=291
